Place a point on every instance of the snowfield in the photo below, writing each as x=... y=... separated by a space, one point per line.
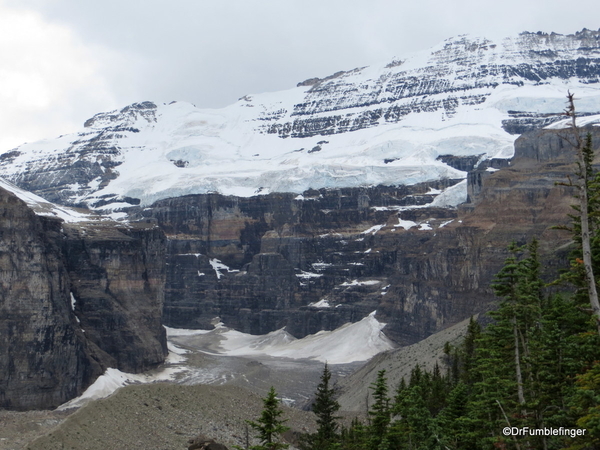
x=381 y=125
x=350 y=343
x=43 y=207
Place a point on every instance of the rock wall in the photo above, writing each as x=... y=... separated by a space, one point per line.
x=74 y=300
x=45 y=358
x=258 y=263
x=316 y=261
x=117 y=284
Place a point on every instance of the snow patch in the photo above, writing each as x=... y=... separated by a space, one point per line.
x=218 y=266
x=321 y=265
x=406 y=224
x=307 y=275
x=42 y=207
x=320 y=304
x=360 y=283
x=373 y=229
x=358 y=341
x=443 y=224
x=581 y=121
x=452 y=196
x=114 y=379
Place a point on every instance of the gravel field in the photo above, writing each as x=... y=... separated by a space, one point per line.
x=17 y=429
x=163 y=416
x=213 y=394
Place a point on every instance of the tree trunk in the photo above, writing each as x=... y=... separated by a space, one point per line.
x=519 y=375
x=585 y=224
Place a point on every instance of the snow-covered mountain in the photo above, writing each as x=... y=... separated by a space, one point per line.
x=388 y=124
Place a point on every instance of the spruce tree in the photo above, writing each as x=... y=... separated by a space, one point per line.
x=270 y=425
x=414 y=427
x=325 y=407
x=504 y=369
x=380 y=412
x=586 y=403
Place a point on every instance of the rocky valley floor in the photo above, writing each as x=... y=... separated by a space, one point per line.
x=164 y=415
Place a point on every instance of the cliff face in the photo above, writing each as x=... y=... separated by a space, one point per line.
x=44 y=358
x=74 y=299
x=447 y=277
x=316 y=261
x=117 y=286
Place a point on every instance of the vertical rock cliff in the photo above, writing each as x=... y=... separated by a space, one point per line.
x=117 y=288
x=75 y=298
x=45 y=358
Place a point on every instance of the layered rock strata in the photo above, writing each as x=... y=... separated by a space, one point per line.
x=44 y=356
x=316 y=261
x=74 y=299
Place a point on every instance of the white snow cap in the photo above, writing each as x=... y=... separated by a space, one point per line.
x=304 y=137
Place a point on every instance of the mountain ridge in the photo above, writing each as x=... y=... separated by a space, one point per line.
x=377 y=125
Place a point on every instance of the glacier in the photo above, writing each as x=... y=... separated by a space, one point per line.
x=386 y=124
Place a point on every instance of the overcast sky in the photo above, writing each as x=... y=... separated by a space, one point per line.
x=62 y=61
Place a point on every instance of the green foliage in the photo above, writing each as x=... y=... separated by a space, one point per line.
x=414 y=427
x=520 y=372
x=354 y=437
x=270 y=425
x=536 y=365
x=586 y=403
x=380 y=412
x=325 y=407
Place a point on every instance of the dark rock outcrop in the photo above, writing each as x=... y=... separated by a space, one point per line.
x=74 y=300
x=201 y=442
x=258 y=263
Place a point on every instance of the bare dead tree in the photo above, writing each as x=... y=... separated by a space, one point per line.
x=579 y=144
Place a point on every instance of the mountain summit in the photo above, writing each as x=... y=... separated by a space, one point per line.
x=396 y=123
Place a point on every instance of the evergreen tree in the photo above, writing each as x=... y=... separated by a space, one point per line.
x=354 y=437
x=469 y=346
x=586 y=403
x=451 y=419
x=414 y=427
x=270 y=426
x=380 y=412
x=325 y=407
x=505 y=366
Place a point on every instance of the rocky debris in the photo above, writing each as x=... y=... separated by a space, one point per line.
x=18 y=428
x=163 y=416
x=354 y=390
